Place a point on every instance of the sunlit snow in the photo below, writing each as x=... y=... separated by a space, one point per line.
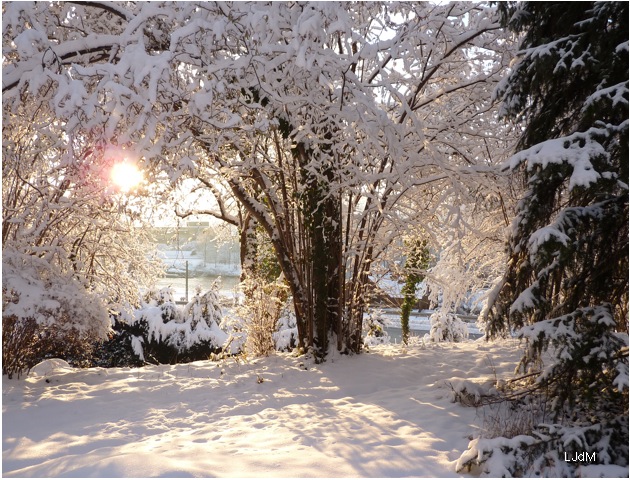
x=386 y=413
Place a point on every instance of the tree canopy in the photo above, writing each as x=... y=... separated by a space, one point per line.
x=334 y=126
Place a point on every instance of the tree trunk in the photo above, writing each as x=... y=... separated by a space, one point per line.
x=248 y=245
x=322 y=212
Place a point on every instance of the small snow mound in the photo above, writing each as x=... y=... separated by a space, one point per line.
x=50 y=366
x=469 y=393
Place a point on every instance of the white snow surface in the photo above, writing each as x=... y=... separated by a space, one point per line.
x=386 y=413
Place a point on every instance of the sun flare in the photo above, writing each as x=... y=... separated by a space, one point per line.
x=126 y=176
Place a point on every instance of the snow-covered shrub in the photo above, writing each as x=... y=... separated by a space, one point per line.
x=261 y=310
x=234 y=326
x=447 y=327
x=469 y=393
x=45 y=313
x=164 y=299
x=285 y=337
x=19 y=340
x=201 y=334
x=542 y=428
x=160 y=331
x=117 y=350
x=549 y=451
x=204 y=307
x=374 y=332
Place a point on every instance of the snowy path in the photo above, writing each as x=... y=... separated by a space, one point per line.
x=382 y=414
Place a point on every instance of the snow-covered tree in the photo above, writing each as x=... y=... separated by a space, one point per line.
x=71 y=246
x=320 y=119
x=566 y=287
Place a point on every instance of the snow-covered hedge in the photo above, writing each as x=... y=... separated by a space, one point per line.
x=160 y=331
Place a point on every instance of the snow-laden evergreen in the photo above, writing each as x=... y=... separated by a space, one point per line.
x=566 y=288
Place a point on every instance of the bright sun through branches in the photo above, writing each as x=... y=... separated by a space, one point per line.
x=126 y=175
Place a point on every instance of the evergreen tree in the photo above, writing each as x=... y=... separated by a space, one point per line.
x=566 y=287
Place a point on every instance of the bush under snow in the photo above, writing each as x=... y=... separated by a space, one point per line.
x=447 y=327
x=45 y=313
x=550 y=451
x=285 y=337
x=160 y=331
x=374 y=332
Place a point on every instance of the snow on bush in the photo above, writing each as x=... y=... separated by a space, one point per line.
x=549 y=451
x=469 y=393
x=45 y=312
x=374 y=332
x=51 y=366
x=285 y=337
x=162 y=332
x=201 y=317
x=447 y=327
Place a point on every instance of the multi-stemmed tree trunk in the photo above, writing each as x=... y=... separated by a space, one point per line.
x=323 y=262
x=316 y=276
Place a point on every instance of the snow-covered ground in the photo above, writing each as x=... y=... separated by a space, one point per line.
x=386 y=413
